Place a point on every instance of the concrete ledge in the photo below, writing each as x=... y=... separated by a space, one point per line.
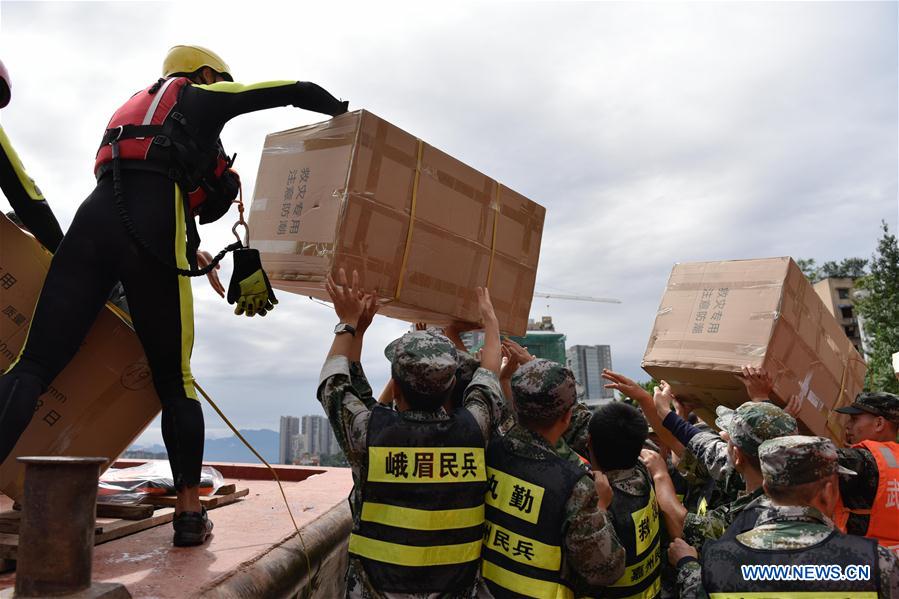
x=282 y=570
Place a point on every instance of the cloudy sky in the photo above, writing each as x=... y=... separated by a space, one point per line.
x=652 y=133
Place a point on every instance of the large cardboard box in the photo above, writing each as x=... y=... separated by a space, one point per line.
x=717 y=316
x=101 y=401
x=422 y=228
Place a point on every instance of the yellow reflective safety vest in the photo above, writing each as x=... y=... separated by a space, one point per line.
x=422 y=514
x=523 y=535
x=731 y=570
x=636 y=522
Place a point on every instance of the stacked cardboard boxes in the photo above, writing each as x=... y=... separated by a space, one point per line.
x=101 y=401
x=422 y=228
x=717 y=316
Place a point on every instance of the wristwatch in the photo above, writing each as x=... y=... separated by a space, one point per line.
x=345 y=328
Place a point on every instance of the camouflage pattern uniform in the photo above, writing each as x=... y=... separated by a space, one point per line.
x=858 y=492
x=748 y=426
x=428 y=363
x=544 y=389
x=577 y=435
x=787 y=461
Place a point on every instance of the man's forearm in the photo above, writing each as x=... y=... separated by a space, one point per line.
x=673 y=511
x=655 y=422
x=342 y=345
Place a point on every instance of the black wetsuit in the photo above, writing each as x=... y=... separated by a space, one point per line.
x=97 y=251
x=26 y=199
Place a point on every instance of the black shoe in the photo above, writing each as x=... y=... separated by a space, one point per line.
x=191 y=528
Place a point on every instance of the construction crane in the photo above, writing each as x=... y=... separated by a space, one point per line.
x=577 y=298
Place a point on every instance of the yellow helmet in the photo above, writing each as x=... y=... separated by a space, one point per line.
x=187 y=59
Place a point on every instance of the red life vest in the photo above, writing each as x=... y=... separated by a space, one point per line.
x=162 y=138
x=884 y=513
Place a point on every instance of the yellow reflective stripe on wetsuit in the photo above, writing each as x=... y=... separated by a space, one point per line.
x=185 y=296
x=524 y=585
x=27 y=182
x=232 y=87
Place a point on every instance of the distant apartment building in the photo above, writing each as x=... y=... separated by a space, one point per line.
x=587 y=363
x=290 y=427
x=307 y=436
x=318 y=438
x=837 y=296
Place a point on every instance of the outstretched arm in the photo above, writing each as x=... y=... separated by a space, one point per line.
x=25 y=198
x=211 y=106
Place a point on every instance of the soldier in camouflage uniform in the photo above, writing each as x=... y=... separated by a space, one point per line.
x=747 y=427
x=801 y=477
x=872 y=428
x=617 y=435
x=397 y=456
x=547 y=525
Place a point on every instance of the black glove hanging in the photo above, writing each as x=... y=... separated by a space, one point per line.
x=249 y=286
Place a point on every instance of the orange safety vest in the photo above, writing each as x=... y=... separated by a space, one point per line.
x=884 y=513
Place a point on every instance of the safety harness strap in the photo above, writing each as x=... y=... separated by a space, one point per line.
x=119 y=193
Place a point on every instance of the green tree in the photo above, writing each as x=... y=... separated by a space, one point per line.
x=808 y=268
x=848 y=268
x=878 y=304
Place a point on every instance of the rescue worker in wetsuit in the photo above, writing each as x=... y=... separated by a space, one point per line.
x=869 y=502
x=136 y=227
x=23 y=194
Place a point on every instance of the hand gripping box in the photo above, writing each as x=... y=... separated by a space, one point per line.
x=100 y=402
x=717 y=316
x=422 y=228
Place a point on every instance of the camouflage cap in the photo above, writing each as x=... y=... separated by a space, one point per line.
x=468 y=365
x=424 y=360
x=879 y=404
x=797 y=459
x=543 y=389
x=754 y=422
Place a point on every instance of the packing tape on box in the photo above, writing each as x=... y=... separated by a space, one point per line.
x=496 y=188
x=743 y=349
x=399 y=282
x=697 y=285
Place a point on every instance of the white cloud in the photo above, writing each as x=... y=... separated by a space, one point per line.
x=653 y=133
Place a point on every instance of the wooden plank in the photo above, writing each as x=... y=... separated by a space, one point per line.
x=126 y=512
x=9 y=546
x=226 y=489
x=109 y=529
x=120 y=528
x=209 y=502
x=9 y=522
